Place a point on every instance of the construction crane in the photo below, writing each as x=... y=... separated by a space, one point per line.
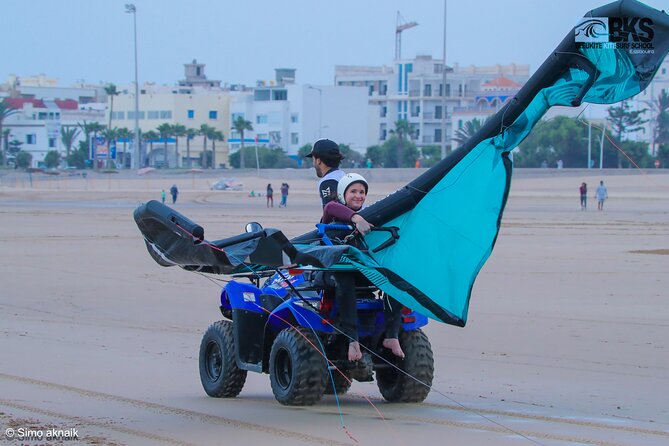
x=401 y=26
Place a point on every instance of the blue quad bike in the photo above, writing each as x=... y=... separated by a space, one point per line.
x=286 y=328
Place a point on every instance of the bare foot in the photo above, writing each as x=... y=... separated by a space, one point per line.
x=393 y=344
x=354 y=352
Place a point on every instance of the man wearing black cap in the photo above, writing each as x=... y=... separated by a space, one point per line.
x=326 y=157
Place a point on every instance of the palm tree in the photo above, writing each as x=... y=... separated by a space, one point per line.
x=67 y=136
x=190 y=134
x=91 y=128
x=178 y=131
x=125 y=134
x=402 y=130
x=149 y=137
x=206 y=132
x=165 y=131
x=462 y=135
x=6 y=111
x=240 y=125
x=661 y=105
x=111 y=91
x=216 y=135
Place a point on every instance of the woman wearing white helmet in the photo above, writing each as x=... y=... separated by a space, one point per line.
x=351 y=193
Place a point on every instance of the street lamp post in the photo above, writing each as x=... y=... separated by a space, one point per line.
x=443 y=93
x=136 y=162
x=320 y=109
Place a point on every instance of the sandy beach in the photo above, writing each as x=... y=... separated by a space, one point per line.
x=567 y=340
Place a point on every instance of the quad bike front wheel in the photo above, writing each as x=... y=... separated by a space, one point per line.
x=297 y=369
x=418 y=362
x=220 y=376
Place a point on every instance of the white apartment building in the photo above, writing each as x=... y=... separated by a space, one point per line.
x=286 y=115
x=192 y=103
x=413 y=90
x=38 y=123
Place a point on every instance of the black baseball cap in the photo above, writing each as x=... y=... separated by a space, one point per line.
x=325 y=149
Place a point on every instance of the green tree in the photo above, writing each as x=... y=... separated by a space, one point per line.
x=468 y=130
x=269 y=158
x=561 y=138
x=302 y=153
x=164 y=132
x=123 y=133
x=52 y=159
x=78 y=157
x=14 y=146
x=241 y=125
x=403 y=131
x=23 y=159
x=661 y=105
x=216 y=135
x=111 y=91
x=431 y=155
x=376 y=154
x=67 y=136
x=6 y=111
x=663 y=155
x=150 y=137
x=639 y=154
x=206 y=132
x=178 y=131
x=624 y=120
x=190 y=134
x=352 y=157
x=91 y=129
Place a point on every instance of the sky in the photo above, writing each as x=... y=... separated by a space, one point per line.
x=244 y=41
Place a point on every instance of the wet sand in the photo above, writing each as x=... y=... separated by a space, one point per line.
x=566 y=341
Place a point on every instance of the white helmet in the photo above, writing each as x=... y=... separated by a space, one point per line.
x=346 y=181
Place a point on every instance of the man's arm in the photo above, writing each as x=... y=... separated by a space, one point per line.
x=328 y=191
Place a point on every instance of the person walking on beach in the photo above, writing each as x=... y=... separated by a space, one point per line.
x=284 y=195
x=162 y=196
x=326 y=158
x=584 y=196
x=601 y=195
x=270 y=195
x=174 y=192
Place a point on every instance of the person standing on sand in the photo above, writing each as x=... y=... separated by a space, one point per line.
x=601 y=195
x=270 y=195
x=174 y=192
x=284 y=195
x=162 y=196
x=326 y=157
x=584 y=196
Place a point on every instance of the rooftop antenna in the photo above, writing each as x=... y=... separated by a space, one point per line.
x=401 y=26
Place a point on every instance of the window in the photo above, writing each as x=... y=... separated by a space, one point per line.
x=119 y=115
x=384 y=134
x=261 y=119
x=166 y=114
x=190 y=114
x=428 y=90
x=437 y=135
x=384 y=111
x=459 y=123
x=294 y=119
x=41 y=116
x=437 y=112
x=52 y=143
x=294 y=138
x=131 y=115
x=213 y=114
x=280 y=95
x=154 y=114
x=31 y=138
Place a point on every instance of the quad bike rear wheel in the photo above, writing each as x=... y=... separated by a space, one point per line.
x=341 y=384
x=297 y=370
x=220 y=376
x=418 y=362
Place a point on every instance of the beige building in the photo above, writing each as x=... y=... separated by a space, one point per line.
x=189 y=105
